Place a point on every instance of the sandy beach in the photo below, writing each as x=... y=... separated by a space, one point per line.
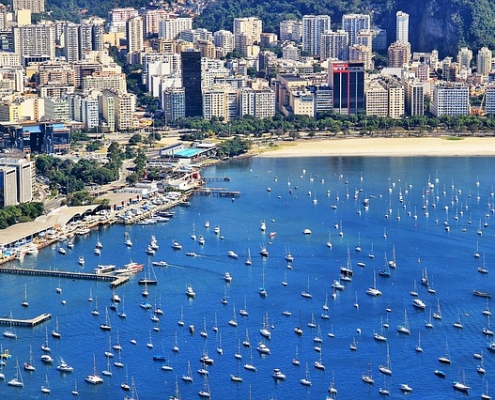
x=385 y=147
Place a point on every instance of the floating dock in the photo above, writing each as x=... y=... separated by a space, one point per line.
x=218 y=192
x=115 y=281
x=26 y=322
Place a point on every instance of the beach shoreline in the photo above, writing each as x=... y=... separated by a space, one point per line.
x=444 y=146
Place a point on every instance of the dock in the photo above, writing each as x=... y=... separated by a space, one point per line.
x=115 y=281
x=216 y=178
x=26 y=322
x=218 y=192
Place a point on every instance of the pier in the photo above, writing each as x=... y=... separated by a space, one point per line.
x=216 y=179
x=26 y=322
x=218 y=192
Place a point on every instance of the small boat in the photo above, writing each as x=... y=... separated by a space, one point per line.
x=188 y=378
x=106 y=325
x=232 y=254
x=373 y=291
x=404 y=328
x=386 y=368
x=176 y=245
x=419 y=304
x=438 y=315
x=440 y=373
x=227 y=277
x=46 y=387
x=29 y=366
x=80 y=260
x=278 y=375
x=127 y=242
x=201 y=240
x=46 y=358
x=216 y=230
x=62 y=251
x=190 y=293
x=55 y=333
x=248 y=261
x=368 y=378
x=64 y=367
x=482 y=294
x=418 y=347
x=159 y=263
x=263 y=251
x=446 y=358
x=405 y=388
x=306 y=294
x=461 y=386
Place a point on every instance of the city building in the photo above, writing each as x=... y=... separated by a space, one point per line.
x=25 y=171
x=71 y=42
x=346 y=79
x=399 y=54
x=402 y=27
x=490 y=99
x=225 y=40
x=247 y=32
x=170 y=28
x=360 y=53
x=35 y=6
x=450 y=98
x=105 y=80
x=291 y=30
x=220 y=101
x=8 y=187
x=464 y=58
x=414 y=97
x=33 y=42
x=259 y=103
x=173 y=102
x=313 y=27
x=334 y=45
x=135 y=35
x=353 y=23
x=191 y=82
x=484 y=61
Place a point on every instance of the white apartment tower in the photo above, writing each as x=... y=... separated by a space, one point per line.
x=402 y=27
x=135 y=35
x=35 y=40
x=313 y=27
x=247 y=31
x=414 y=97
x=334 y=44
x=71 y=42
x=484 y=61
x=353 y=23
x=170 y=28
x=225 y=40
x=464 y=58
x=450 y=98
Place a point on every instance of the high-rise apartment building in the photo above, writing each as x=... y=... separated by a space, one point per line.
x=402 y=27
x=450 y=98
x=385 y=98
x=346 y=79
x=191 y=82
x=313 y=27
x=414 y=97
x=225 y=40
x=464 y=57
x=35 y=41
x=24 y=177
x=173 y=103
x=334 y=44
x=169 y=28
x=258 y=103
x=247 y=33
x=36 y=6
x=353 y=23
x=8 y=187
x=290 y=30
x=490 y=99
x=135 y=35
x=71 y=42
x=399 y=54
x=484 y=61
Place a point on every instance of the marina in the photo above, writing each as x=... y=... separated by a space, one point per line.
x=336 y=346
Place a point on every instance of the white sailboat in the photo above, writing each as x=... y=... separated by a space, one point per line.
x=44 y=346
x=127 y=239
x=25 y=302
x=386 y=369
x=11 y=332
x=29 y=366
x=418 y=347
x=46 y=387
x=446 y=358
x=306 y=381
x=404 y=328
x=373 y=291
x=262 y=290
x=248 y=259
x=17 y=381
x=94 y=379
x=188 y=378
x=306 y=294
x=55 y=333
x=106 y=326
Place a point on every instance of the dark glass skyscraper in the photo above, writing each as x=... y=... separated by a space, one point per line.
x=347 y=82
x=191 y=82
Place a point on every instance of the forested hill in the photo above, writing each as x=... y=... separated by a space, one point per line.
x=441 y=24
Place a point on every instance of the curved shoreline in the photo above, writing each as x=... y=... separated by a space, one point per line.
x=383 y=147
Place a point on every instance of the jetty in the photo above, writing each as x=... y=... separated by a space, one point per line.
x=115 y=281
x=26 y=322
x=218 y=192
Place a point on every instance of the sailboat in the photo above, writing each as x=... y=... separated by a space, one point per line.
x=246 y=342
x=122 y=313
x=180 y=322
x=204 y=333
x=404 y=328
x=205 y=392
x=125 y=385
x=428 y=323
x=243 y=311
x=25 y=302
x=74 y=391
x=55 y=333
x=373 y=291
x=17 y=380
x=306 y=381
x=446 y=358
x=392 y=263
x=295 y=360
x=368 y=378
x=106 y=325
x=175 y=347
x=127 y=239
x=384 y=390
x=233 y=321
x=248 y=259
x=262 y=291
x=458 y=324
x=386 y=369
x=94 y=379
x=44 y=346
x=188 y=378
x=418 y=347
x=219 y=347
x=149 y=345
x=414 y=292
x=46 y=387
x=438 y=314
x=250 y=366
x=29 y=366
x=319 y=364
x=461 y=386
x=10 y=333
x=108 y=371
x=380 y=336
x=149 y=280
x=265 y=331
x=306 y=294
x=480 y=369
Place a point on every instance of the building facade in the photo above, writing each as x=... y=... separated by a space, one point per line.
x=313 y=27
x=346 y=79
x=191 y=82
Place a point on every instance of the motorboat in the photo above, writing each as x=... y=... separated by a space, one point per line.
x=176 y=245
x=419 y=304
x=62 y=251
x=405 y=388
x=481 y=294
x=232 y=254
x=440 y=373
x=190 y=292
x=80 y=260
x=159 y=263
x=64 y=367
x=307 y=231
x=278 y=375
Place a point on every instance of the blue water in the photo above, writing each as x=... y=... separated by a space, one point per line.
x=277 y=191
